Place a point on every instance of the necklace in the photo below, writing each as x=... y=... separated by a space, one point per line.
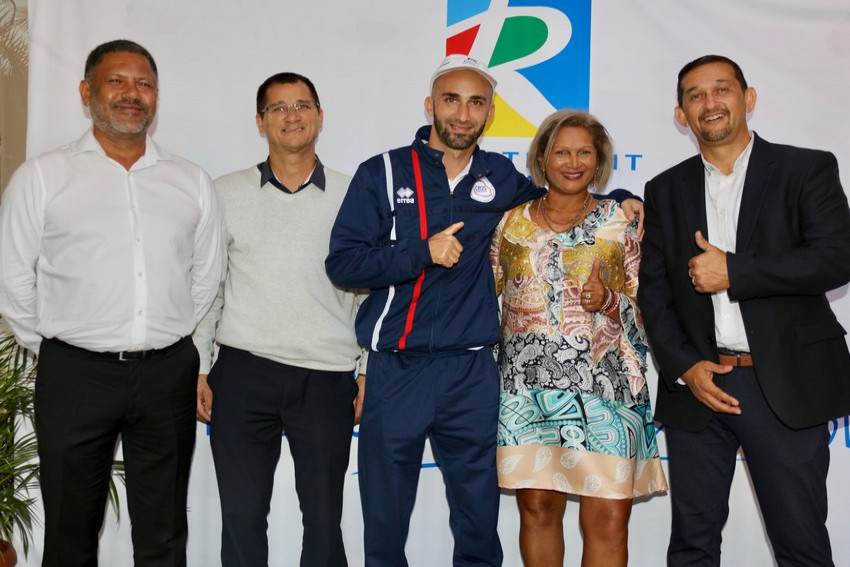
x=541 y=207
x=551 y=208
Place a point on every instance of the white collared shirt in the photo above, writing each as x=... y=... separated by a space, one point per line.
x=104 y=258
x=722 y=205
x=453 y=183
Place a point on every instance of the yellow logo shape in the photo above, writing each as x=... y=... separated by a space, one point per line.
x=508 y=123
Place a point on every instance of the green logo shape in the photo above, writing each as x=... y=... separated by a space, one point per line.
x=520 y=36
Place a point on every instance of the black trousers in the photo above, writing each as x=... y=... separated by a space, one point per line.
x=82 y=404
x=788 y=469
x=254 y=401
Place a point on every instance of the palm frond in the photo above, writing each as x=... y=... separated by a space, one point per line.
x=18 y=449
x=14 y=49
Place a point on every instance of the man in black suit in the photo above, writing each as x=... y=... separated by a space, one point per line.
x=742 y=243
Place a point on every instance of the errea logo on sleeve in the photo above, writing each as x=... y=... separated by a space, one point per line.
x=405 y=195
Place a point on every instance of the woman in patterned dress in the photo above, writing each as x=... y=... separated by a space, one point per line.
x=575 y=416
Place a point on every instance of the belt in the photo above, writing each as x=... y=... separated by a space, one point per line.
x=734 y=358
x=122 y=356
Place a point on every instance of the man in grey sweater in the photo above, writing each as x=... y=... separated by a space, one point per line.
x=286 y=334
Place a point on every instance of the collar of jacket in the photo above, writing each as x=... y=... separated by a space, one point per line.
x=478 y=169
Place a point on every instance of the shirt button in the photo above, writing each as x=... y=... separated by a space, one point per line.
x=139 y=274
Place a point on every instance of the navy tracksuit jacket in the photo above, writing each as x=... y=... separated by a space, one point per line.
x=380 y=242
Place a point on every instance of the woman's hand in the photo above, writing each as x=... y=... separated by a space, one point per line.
x=593 y=292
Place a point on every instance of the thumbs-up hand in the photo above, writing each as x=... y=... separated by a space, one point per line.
x=708 y=270
x=444 y=246
x=593 y=292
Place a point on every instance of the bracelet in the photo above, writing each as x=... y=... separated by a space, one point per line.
x=611 y=303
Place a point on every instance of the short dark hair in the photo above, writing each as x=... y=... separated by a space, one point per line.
x=705 y=60
x=284 y=79
x=116 y=46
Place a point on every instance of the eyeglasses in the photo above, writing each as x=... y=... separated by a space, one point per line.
x=282 y=109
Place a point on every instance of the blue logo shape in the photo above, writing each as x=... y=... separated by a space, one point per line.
x=538 y=50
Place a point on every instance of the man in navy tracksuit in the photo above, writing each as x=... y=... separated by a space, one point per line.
x=415 y=228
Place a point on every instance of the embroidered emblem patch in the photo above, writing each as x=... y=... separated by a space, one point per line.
x=483 y=191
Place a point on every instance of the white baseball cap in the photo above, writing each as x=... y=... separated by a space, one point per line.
x=459 y=61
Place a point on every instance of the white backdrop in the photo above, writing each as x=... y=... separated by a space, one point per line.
x=371 y=63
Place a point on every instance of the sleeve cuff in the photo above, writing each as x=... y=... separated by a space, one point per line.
x=420 y=253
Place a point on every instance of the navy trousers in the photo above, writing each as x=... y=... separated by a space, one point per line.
x=82 y=404
x=788 y=469
x=453 y=400
x=254 y=401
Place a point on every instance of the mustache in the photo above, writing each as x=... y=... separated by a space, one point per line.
x=711 y=111
x=124 y=101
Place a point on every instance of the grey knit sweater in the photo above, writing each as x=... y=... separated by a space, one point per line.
x=276 y=300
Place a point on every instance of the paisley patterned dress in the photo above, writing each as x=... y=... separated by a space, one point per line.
x=574 y=412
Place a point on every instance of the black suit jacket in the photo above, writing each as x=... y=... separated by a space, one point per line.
x=793 y=245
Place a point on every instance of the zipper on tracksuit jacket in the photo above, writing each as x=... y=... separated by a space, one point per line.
x=440 y=290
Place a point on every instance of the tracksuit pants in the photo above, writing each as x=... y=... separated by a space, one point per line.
x=452 y=400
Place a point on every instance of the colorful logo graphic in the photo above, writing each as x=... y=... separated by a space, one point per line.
x=538 y=51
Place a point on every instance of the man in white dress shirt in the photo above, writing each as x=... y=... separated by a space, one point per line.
x=109 y=256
